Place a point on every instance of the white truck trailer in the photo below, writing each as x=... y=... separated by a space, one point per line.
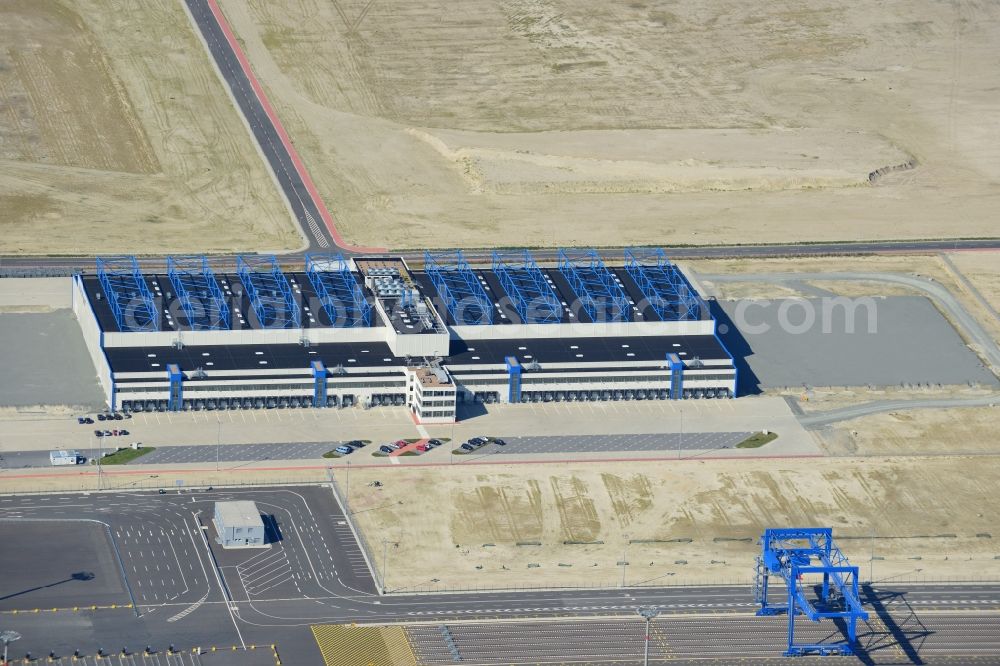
x=65 y=457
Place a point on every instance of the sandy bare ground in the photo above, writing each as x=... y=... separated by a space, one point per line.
x=532 y=121
x=817 y=400
x=982 y=269
x=918 y=431
x=673 y=523
x=116 y=135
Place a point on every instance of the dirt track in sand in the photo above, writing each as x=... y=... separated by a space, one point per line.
x=366 y=89
x=116 y=135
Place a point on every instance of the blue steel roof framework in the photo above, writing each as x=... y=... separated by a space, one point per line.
x=340 y=294
x=270 y=294
x=459 y=288
x=532 y=296
x=664 y=286
x=131 y=301
x=198 y=291
x=794 y=553
x=600 y=295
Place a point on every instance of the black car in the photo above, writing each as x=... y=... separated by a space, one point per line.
x=356 y=444
x=101 y=417
x=468 y=446
x=499 y=442
x=99 y=433
x=385 y=449
x=431 y=443
x=118 y=417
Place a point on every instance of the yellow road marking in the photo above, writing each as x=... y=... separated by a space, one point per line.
x=365 y=645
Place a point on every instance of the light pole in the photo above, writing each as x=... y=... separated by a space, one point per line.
x=385 y=546
x=680 y=435
x=8 y=637
x=218 y=442
x=348 y=486
x=871 y=562
x=647 y=614
x=100 y=454
x=624 y=557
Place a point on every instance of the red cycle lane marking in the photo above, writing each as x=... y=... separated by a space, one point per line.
x=282 y=134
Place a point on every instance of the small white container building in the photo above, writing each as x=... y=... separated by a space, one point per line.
x=239 y=525
x=64 y=457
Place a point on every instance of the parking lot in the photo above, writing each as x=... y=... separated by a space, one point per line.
x=83 y=573
x=202 y=453
x=306 y=434
x=703 y=441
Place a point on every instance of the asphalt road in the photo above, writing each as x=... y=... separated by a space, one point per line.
x=190 y=592
x=27 y=266
x=303 y=206
x=820 y=419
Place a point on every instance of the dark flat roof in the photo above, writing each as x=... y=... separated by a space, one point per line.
x=251 y=357
x=586 y=350
x=376 y=355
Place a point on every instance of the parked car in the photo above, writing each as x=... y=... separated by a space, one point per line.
x=107 y=433
x=385 y=449
x=478 y=441
x=431 y=443
x=101 y=417
x=468 y=447
x=393 y=447
x=422 y=447
x=117 y=417
x=356 y=443
x=98 y=433
x=343 y=450
x=499 y=442
x=401 y=443
x=123 y=432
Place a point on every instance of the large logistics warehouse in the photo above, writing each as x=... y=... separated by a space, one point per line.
x=372 y=331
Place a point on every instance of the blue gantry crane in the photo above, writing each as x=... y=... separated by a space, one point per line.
x=524 y=282
x=270 y=294
x=459 y=288
x=339 y=293
x=132 y=303
x=797 y=555
x=601 y=296
x=663 y=284
x=201 y=298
